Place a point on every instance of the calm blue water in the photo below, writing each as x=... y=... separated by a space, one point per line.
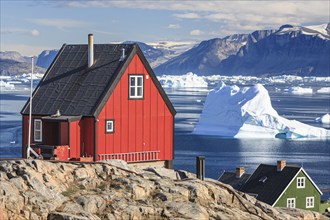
x=221 y=154
x=226 y=154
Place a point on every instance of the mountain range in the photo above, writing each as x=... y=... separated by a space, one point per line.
x=294 y=50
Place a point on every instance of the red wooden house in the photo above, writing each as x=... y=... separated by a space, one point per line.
x=100 y=101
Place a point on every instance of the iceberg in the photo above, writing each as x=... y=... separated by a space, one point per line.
x=325 y=119
x=6 y=85
x=300 y=90
x=189 y=80
x=247 y=112
x=325 y=90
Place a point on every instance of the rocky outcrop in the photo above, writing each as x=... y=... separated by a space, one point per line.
x=35 y=189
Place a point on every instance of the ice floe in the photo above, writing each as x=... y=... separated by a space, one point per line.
x=189 y=80
x=325 y=90
x=300 y=90
x=247 y=112
x=325 y=119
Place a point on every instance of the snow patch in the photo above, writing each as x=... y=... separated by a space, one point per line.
x=247 y=112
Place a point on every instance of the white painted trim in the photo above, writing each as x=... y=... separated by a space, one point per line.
x=312 y=181
x=303 y=182
x=294 y=201
x=313 y=199
x=301 y=169
x=34 y=130
x=136 y=86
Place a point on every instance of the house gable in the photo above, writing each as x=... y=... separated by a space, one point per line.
x=108 y=92
x=300 y=194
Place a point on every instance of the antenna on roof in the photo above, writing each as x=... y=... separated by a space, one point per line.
x=122 y=55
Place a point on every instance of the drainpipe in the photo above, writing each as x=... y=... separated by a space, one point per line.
x=95 y=139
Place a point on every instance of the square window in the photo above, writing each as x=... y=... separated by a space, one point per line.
x=136 y=86
x=291 y=203
x=109 y=126
x=310 y=202
x=301 y=182
x=37 y=130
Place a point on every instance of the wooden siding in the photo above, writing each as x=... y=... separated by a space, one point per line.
x=139 y=125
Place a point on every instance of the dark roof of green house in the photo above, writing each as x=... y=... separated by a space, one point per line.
x=231 y=179
x=268 y=184
x=77 y=90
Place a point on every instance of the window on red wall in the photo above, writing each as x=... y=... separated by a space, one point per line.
x=109 y=126
x=136 y=86
x=37 y=130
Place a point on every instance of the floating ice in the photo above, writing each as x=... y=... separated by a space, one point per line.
x=189 y=80
x=300 y=90
x=6 y=85
x=324 y=90
x=325 y=119
x=248 y=113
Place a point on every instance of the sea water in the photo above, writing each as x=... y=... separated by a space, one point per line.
x=225 y=154
x=221 y=154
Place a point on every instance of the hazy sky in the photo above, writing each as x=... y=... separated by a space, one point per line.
x=32 y=26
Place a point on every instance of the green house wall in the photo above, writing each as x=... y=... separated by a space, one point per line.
x=300 y=194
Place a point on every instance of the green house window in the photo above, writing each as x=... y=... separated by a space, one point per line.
x=291 y=203
x=310 y=202
x=301 y=182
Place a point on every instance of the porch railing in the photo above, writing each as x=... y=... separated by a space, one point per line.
x=131 y=157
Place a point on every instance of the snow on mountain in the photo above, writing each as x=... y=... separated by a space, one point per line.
x=189 y=80
x=202 y=59
x=159 y=52
x=289 y=50
x=46 y=57
x=247 y=112
x=13 y=55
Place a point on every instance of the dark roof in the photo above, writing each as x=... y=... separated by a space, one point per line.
x=73 y=88
x=268 y=184
x=230 y=179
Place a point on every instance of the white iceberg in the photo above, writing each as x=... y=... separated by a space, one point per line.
x=325 y=119
x=300 y=90
x=189 y=80
x=325 y=90
x=6 y=85
x=248 y=113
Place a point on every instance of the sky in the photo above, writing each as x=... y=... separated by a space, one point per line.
x=30 y=27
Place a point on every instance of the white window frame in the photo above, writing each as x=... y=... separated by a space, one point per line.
x=136 y=87
x=310 y=202
x=301 y=182
x=107 y=122
x=291 y=202
x=35 y=130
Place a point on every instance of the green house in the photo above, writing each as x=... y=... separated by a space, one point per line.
x=284 y=186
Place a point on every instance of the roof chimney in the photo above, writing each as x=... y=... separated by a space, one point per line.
x=90 y=50
x=239 y=172
x=280 y=165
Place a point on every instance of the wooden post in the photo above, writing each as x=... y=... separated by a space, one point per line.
x=200 y=167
